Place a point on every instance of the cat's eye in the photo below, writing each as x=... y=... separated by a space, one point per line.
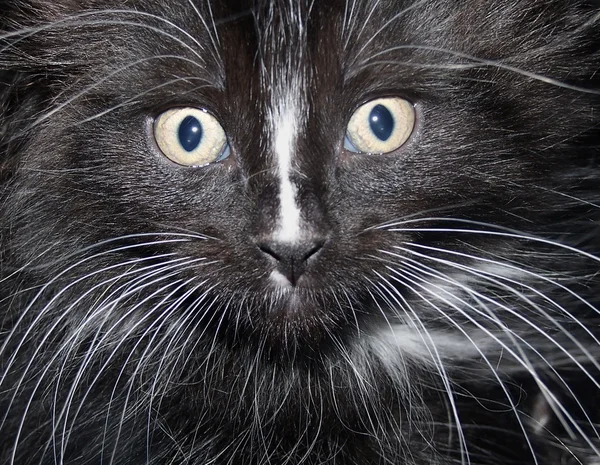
x=380 y=126
x=190 y=137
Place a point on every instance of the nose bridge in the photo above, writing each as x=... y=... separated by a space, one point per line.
x=290 y=193
x=284 y=82
x=290 y=200
x=292 y=239
x=292 y=229
x=285 y=124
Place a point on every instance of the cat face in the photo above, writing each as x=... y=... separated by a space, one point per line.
x=200 y=189
x=290 y=224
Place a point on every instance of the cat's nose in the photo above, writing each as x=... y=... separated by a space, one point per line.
x=292 y=259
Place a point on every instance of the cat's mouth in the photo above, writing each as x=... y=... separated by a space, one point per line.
x=309 y=312
x=297 y=320
x=292 y=296
x=294 y=303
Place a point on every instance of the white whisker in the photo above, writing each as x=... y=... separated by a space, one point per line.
x=479 y=61
x=436 y=358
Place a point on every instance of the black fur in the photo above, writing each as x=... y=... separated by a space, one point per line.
x=138 y=322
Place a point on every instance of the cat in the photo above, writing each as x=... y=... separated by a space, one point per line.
x=299 y=232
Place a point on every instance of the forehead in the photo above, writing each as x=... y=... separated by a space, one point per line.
x=287 y=25
x=235 y=40
x=280 y=28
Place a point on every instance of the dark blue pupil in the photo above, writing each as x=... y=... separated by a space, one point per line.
x=381 y=122
x=190 y=133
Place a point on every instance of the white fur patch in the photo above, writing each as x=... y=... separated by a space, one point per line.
x=406 y=341
x=279 y=280
x=284 y=124
x=401 y=345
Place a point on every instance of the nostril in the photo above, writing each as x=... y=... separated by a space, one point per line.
x=298 y=252
x=291 y=257
x=315 y=249
x=266 y=249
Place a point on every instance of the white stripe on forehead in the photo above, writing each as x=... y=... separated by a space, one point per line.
x=283 y=39
x=285 y=120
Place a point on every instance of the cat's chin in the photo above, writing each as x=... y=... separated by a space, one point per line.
x=296 y=317
x=292 y=303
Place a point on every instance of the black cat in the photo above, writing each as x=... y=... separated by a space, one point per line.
x=299 y=232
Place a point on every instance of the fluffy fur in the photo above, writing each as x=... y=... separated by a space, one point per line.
x=450 y=314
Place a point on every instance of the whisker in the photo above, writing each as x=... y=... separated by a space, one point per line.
x=404 y=278
x=480 y=61
x=95 y=84
x=64 y=350
x=214 y=39
x=142 y=94
x=32 y=327
x=521 y=270
x=155 y=326
x=500 y=231
x=435 y=357
x=551 y=397
x=553 y=401
x=536 y=351
x=519 y=316
x=77 y=20
x=390 y=21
